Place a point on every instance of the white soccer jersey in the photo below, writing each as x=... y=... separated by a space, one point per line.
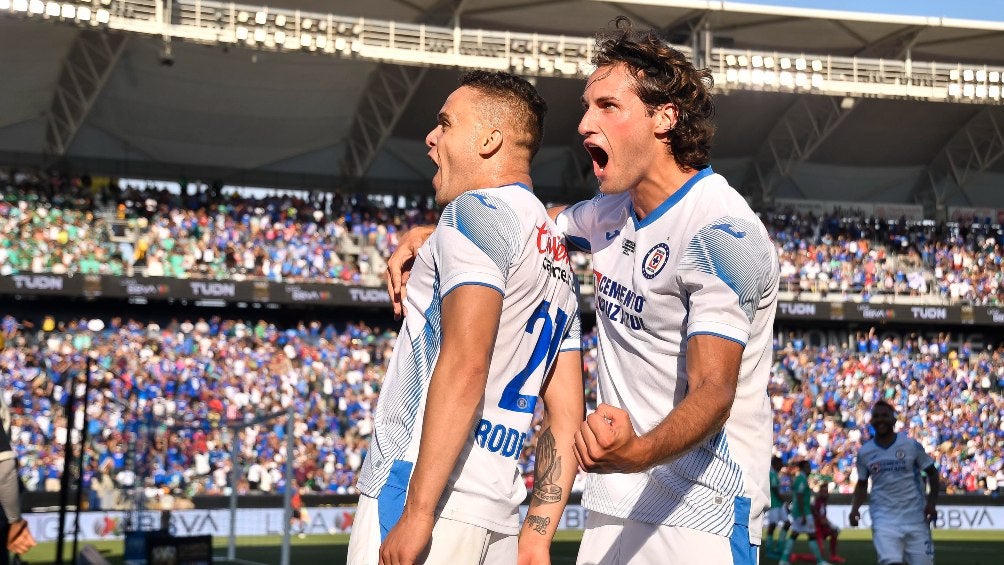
x=500 y=238
x=897 y=490
x=700 y=263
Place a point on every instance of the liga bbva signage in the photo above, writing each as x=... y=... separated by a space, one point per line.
x=97 y=526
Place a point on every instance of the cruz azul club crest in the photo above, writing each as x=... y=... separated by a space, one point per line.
x=655 y=260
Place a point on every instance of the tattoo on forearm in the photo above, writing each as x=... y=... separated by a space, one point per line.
x=547 y=470
x=538 y=523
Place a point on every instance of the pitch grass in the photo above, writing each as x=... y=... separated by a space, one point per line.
x=979 y=547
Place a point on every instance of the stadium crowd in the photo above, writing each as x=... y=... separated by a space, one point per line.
x=159 y=394
x=289 y=236
x=68 y=226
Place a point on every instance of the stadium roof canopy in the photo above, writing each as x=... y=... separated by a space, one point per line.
x=129 y=103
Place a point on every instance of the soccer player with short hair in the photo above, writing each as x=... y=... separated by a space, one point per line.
x=492 y=308
x=901 y=513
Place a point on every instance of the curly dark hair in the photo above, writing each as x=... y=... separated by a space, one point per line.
x=526 y=108
x=664 y=75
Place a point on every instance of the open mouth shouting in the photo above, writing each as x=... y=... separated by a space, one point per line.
x=599 y=157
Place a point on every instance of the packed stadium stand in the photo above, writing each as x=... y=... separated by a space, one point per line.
x=111 y=231
x=869 y=145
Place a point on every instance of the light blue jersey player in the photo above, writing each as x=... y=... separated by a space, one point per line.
x=491 y=307
x=899 y=508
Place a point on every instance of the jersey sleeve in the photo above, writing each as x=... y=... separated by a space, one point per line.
x=923 y=459
x=573 y=339
x=477 y=241
x=726 y=270
x=862 y=468
x=577 y=222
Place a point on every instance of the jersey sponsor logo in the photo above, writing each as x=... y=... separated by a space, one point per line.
x=556 y=263
x=727 y=228
x=551 y=245
x=556 y=271
x=627 y=247
x=655 y=260
x=507 y=442
x=618 y=302
x=900 y=454
x=612 y=234
x=888 y=465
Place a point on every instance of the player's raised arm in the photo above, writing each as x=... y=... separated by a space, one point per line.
x=470 y=320
x=608 y=443
x=555 y=466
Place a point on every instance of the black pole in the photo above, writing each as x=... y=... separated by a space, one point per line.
x=83 y=454
x=64 y=479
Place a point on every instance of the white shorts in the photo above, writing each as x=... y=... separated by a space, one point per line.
x=806 y=527
x=904 y=543
x=453 y=542
x=777 y=515
x=616 y=541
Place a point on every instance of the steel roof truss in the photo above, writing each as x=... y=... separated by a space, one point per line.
x=86 y=69
x=971 y=151
x=799 y=132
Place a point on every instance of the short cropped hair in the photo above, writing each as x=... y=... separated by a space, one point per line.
x=883 y=403
x=525 y=106
x=664 y=75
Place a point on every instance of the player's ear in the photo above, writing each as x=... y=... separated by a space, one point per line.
x=491 y=143
x=665 y=118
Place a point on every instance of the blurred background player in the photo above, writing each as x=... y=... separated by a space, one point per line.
x=900 y=511
x=801 y=516
x=826 y=531
x=777 y=515
x=297 y=518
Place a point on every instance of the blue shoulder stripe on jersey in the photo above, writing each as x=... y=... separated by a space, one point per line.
x=734 y=250
x=489 y=223
x=672 y=200
x=473 y=283
x=723 y=336
x=580 y=242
